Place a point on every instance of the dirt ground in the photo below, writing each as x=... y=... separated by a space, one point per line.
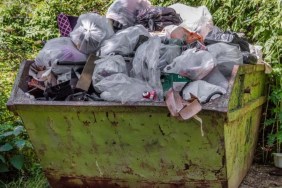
x=259 y=176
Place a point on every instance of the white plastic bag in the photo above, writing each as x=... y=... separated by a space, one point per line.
x=193 y=64
x=108 y=66
x=145 y=64
x=121 y=88
x=90 y=31
x=226 y=57
x=202 y=90
x=124 y=41
x=197 y=19
x=58 y=49
x=125 y=11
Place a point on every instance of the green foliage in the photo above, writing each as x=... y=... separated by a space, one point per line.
x=36 y=181
x=16 y=152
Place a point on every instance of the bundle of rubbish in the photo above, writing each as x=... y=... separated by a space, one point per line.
x=139 y=53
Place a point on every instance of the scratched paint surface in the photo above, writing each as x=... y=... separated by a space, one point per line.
x=144 y=144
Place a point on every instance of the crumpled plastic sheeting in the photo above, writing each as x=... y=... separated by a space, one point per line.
x=108 y=66
x=167 y=54
x=202 y=90
x=197 y=19
x=192 y=64
x=121 y=88
x=58 y=49
x=227 y=56
x=145 y=64
x=124 y=41
x=125 y=11
x=90 y=31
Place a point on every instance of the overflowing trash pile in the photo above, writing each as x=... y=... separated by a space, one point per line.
x=140 y=53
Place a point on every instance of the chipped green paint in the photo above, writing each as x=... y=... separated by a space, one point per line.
x=140 y=144
x=94 y=144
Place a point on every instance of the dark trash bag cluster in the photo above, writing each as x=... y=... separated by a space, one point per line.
x=139 y=53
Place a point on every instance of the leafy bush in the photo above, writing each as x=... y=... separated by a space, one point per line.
x=17 y=156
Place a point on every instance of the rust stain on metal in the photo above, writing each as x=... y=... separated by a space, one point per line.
x=114 y=123
x=86 y=123
x=160 y=128
x=86 y=182
x=78 y=113
x=146 y=166
x=94 y=116
x=128 y=170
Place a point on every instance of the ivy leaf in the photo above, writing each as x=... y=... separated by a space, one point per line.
x=20 y=144
x=6 y=147
x=8 y=133
x=2 y=159
x=18 y=130
x=3 y=167
x=17 y=161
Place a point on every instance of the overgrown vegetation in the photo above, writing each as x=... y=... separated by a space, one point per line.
x=24 y=24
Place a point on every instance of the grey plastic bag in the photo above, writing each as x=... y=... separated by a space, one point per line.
x=90 y=31
x=108 y=66
x=125 y=11
x=202 y=90
x=121 y=88
x=167 y=54
x=58 y=49
x=145 y=64
x=124 y=41
x=215 y=77
x=193 y=64
x=226 y=57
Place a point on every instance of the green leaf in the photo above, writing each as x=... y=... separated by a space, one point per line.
x=8 y=133
x=2 y=159
x=3 y=167
x=6 y=147
x=20 y=144
x=17 y=161
x=18 y=130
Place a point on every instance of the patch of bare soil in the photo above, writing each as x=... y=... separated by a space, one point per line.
x=261 y=176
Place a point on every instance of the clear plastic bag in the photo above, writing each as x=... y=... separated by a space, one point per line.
x=197 y=19
x=215 y=77
x=145 y=64
x=58 y=49
x=108 y=66
x=124 y=41
x=167 y=54
x=202 y=90
x=90 y=31
x=125 y=11
x=121 y=88
x=193 y=64
x=227 y=56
